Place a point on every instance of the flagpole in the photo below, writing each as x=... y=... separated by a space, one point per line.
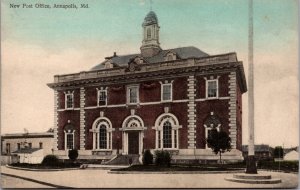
x=251 y=163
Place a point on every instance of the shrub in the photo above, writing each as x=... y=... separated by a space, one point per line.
x=147 y=158
x=50 y=160
x=73 y=154
x=162 y=158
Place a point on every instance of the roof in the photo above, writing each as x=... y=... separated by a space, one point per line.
x=258 y=148
x=26 y=150
x=27 y=135
x=151 y=18
x=182 y=52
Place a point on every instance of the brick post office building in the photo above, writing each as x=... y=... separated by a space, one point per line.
x=155 y=99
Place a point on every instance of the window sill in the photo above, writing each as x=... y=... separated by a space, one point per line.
x=133 y=104
x=102 y=106
x=212 y=98
x=102 y=152
x=69 y=108
x=166 y=101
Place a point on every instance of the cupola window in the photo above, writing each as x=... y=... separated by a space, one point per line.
x=148 y=33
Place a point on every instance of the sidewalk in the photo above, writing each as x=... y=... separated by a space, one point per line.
x=99 y=178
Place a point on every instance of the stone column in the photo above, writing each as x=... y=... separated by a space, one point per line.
x=232 y=109
x=55 y=127
x=82 y=118
x=191 y=112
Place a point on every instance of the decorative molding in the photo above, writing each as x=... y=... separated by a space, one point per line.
x=191 y=91
x=55 y=127
x=82 y=119
x=232 y=109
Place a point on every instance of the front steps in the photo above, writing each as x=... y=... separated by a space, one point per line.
x=124 y=160
x=253 y=179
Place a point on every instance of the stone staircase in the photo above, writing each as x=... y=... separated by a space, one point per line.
x=124 y=160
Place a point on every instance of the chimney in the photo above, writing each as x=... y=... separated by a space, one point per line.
x=115 y=54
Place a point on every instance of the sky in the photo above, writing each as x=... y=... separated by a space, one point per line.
x=38 y=43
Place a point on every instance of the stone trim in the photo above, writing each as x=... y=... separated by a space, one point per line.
x=55 y=127
x=191 y=91
x=232 y=109
x=82 y=119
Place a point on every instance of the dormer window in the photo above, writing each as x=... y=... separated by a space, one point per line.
x=69 y=100
x=108 y=65
x=170 y=56
x=138 y=60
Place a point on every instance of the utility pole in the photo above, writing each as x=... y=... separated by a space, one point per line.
x=251 y=162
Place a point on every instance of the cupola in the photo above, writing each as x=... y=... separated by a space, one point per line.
x=150 y=44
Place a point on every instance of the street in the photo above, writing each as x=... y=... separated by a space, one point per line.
x=98 y=178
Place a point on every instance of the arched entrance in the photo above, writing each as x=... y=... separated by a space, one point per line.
x=133 y=134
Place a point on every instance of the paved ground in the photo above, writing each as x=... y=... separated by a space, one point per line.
x=7 y=182
x=98 y=178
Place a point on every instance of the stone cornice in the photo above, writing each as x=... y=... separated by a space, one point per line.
x=146 y=72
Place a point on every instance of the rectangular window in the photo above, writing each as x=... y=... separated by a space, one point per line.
x=41 y=145
x=69 y=101
x=70 y=141
x=102 y=97
x=133 y=96
x=159 y=140
x=30 y=145
x=8 y=148
x=166 y=92
x=175 y=139
x=212 y=89
x=19 y=146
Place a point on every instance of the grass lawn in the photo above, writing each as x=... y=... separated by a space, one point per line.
x=40 y=166
x=286 y=166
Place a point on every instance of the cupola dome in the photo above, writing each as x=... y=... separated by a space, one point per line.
x=151 y=18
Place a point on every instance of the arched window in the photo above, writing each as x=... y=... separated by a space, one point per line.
x=148 y=33
x=103 y=137
x=167 y=135
x=166 y=126
x=102 y=134
x=211 y=122
x=69 y=131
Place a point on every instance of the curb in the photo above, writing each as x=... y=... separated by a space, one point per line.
x=279 y=171
x=36 y=181
x=40 y=170
x=174 y=172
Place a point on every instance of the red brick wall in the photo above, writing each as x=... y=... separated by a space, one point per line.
x=63 y=117
x=90 y=96
x=223 y=85
x=149 y=113
x=239 y=118
x=220 y=108
x=150 y=91
x=116 y=95
x=61 y=99
x=180 y=88
x=77 y=98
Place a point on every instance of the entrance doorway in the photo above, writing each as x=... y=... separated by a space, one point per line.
x=133 y=142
